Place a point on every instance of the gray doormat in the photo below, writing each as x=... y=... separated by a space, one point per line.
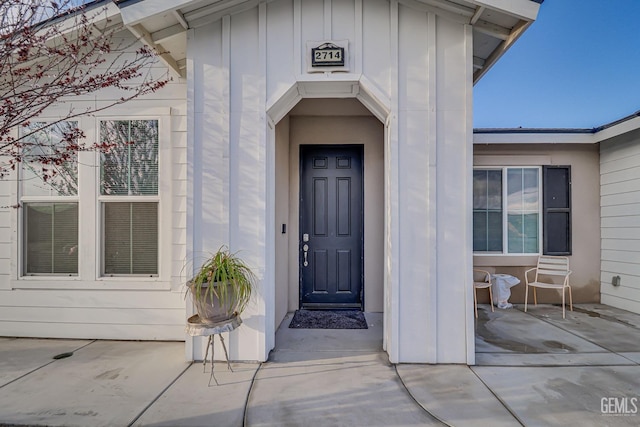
x=324 y=319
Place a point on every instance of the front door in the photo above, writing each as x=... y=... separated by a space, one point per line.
x=331 y=226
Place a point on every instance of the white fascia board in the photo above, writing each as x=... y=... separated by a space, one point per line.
x=137 y=12
x=534 y=138
x=619 y=129
x=558 y=137
x=523 y=9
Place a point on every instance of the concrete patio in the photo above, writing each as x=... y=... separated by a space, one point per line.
x=533 y=369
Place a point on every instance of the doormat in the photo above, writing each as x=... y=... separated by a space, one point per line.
x=323 y=319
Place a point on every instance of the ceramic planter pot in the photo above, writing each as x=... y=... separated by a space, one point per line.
x=208 y=305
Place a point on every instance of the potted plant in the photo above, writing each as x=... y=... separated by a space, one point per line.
x=222 y=287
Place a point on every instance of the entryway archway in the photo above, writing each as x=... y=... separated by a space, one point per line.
x=332 y=125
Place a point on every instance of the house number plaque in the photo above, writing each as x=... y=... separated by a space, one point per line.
x=327 y=55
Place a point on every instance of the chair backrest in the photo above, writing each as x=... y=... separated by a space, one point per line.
x=553 y=265
x=481 y=276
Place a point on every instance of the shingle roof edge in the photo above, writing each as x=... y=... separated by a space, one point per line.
x=556 y=130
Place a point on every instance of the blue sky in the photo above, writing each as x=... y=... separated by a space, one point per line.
x=577 y=66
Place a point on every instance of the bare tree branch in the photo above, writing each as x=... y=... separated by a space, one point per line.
x=51 y=53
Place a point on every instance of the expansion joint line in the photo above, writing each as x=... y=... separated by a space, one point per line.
x=246 y=402
x=502 y=402
x=46 y=364
x=424 y=408
x=154 y=400
x=443 y=421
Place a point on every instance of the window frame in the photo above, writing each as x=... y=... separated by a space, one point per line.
x=101 y=200
x=52 y=199
x=505 y=222
x=89 y=225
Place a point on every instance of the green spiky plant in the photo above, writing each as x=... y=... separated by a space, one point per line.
x=226 y=279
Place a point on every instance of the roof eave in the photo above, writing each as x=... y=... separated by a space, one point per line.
x=502 y=48
x=526 y=11
x=533 y=136
x=557 y=135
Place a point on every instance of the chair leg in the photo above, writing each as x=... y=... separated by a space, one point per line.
x=491 y=299
x=535 y=296
x=475 y=300
x=570 y=299
x=526 y=296
x=563 y=314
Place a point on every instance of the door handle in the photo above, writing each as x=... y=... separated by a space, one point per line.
x=305 y=250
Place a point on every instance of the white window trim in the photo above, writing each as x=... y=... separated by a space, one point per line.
x=89 y=222
x=164 y=223
x=505 y=222
x=20 y=276
x=130 y=283
x=58 y=277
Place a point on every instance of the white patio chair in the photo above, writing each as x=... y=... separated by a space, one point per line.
x=549 y=266
x=484 y=283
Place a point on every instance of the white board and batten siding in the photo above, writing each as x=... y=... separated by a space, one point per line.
x=620 y=213
x=412 y=68
x=88 y=305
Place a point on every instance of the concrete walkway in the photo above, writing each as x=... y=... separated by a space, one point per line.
x=534 y=369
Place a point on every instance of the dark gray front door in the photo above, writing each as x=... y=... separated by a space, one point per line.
x=331 y=226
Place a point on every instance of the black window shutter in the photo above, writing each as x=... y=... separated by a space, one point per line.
x=556 y=210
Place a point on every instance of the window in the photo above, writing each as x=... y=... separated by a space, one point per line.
x=487 y=210
x=506 y=210
x=49 y=202
x=523 y=210
x=129 y=197
x=131 y=238
x=509 y=210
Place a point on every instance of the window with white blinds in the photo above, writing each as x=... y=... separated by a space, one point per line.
x=129 y=197
x=130 y=238
x=50 y=238
x=48 y=196
x=130 y=167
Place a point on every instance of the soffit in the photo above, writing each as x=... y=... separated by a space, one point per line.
x=330 y=107
x=162 y=24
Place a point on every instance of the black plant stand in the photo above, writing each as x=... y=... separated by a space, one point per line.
x=195 y=327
